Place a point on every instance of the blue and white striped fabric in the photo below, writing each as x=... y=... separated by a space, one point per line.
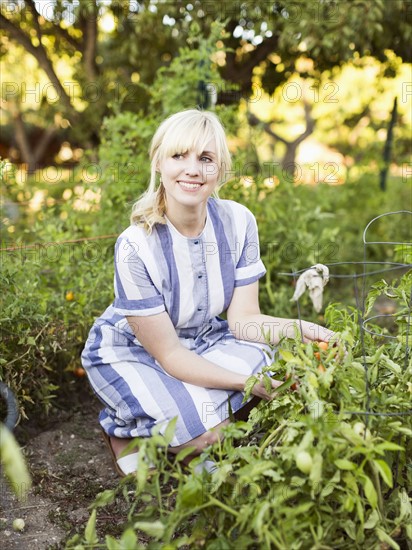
x=193 y=279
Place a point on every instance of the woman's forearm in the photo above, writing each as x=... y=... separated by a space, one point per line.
x=265 y=328
x=189 y=367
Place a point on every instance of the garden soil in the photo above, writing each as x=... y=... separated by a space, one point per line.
x=69 y=465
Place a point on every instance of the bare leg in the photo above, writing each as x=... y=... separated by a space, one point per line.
x=200 y=443
x=119 y=444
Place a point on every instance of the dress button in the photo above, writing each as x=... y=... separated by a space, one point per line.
x=199 y=309
x=199 y=276
x=196 y=242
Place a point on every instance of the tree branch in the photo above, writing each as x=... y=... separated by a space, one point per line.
x=41 y=56
x=255 y=121
x=23 y=141
x=241 y=72
x=43 y=143
x=310 y=124
x=35 y=16
x=90 y=44
x=18 y=35
x=63 y=33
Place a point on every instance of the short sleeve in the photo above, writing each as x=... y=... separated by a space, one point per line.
x=135 y=292
x=250 y=267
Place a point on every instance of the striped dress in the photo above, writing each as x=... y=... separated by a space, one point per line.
x=193 y=279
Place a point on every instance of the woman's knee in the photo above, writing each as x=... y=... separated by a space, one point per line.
x=205 y=440
x=208 y=438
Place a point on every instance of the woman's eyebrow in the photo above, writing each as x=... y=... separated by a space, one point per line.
x=209 y=153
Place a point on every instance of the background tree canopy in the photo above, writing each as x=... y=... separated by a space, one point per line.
x=66 y=64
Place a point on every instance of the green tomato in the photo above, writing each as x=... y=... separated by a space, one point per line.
x=18 y=524
x=360 y=429
x=304 y=462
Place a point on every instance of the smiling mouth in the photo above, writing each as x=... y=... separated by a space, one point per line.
x=190 y=185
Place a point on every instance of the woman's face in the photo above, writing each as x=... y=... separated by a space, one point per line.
x=189 y=178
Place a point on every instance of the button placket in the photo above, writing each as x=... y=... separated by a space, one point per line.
x=201 y=281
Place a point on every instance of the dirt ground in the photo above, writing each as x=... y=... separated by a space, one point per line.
x=69 y=464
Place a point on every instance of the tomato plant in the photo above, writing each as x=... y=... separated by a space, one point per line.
x=324 y=466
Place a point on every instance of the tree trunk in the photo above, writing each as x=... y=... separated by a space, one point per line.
x=31 y=156
x=27 y=155
x=288 y=162
x=388 y=146
x=90 y=43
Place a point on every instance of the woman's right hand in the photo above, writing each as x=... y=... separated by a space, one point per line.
x=260 y=391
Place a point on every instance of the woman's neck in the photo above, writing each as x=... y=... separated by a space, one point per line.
x=188 y=223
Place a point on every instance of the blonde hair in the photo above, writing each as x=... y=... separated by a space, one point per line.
x=184 y=131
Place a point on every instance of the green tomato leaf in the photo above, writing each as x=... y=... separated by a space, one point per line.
x=344 y=464
x=170 y=431
x=385 y=472
x=316 y=471
x=372 y=520
x=14 y=465
x=392 y=366
x=350 y=528
x=90 y=531
x=262 y=510
x=129 y=540
x=112 y=543
x=370 y=491
x=153 y=528
x=351 y=436
x=191 y=494
x=184 y=453
x=405 y=506
x=288 y=356
x=104 y=498
x=250 y=383
x=388 y=446
x=384 y=537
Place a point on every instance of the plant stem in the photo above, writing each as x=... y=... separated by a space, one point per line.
x=217 y=502
x=270 y=438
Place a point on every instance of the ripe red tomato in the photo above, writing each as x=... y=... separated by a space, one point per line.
x=79 y=372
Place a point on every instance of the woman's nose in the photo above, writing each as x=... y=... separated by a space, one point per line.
x=192 y=166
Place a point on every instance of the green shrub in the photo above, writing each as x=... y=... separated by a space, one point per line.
x=52 y=291
x=308 y=470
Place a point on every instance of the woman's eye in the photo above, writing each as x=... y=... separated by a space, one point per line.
x=206 y=159
x=178 y=156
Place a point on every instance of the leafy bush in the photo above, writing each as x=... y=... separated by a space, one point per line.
x=310 y=469
x=13 y=464
x=52 y=291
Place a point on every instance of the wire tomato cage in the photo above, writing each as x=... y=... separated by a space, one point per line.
x=369 y=268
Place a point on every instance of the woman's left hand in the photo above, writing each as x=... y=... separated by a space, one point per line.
x=312 y=332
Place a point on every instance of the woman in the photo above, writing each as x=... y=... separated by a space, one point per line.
x=161 y=351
